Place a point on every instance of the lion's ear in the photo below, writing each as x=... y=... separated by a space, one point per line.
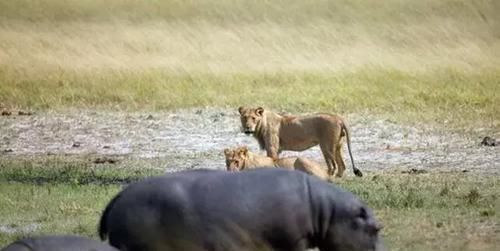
x=259 y=111
x=241 y=109
x=243 y=151
x=243 y=154
x=227 y=152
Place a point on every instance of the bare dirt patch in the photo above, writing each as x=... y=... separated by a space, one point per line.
x=194 y=138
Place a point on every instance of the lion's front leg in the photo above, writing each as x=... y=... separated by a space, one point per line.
x=272 y=146
x=272 y=152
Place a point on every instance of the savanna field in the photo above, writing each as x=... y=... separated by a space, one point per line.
x=114 y=91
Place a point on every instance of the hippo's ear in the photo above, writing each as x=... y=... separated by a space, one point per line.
x=259 y=111
x=362 y=213
x=241 y=109
x=372 y=225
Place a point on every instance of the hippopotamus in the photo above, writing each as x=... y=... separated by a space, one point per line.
x=258 y=209
x=58 y=243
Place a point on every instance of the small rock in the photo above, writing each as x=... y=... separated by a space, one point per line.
x=6 y=113
x=488 y=141
x=104 y=160
x=149 y=117
x=8 y=150
x=106 y=147
x=487 y=213
x=112 y=161
x=76 y=144
x=439 y=224
x=415 y=171
x=199 y=111
x=23 y=113
x=99 y=161
x=13 y=228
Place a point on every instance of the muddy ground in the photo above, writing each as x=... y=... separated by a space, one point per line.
x=196 y=138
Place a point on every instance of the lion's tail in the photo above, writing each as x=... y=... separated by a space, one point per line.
x=103 y=223
x=357 y=172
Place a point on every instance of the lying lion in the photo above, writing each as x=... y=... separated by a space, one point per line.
x=276 y=132
x=241 y=158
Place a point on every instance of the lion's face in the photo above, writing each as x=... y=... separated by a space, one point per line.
x=250 y=118
x=235 y=158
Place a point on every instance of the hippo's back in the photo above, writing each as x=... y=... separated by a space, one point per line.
x=58 y=243
x=270 y=204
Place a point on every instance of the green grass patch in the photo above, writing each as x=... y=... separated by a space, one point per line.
x=51 y=208
x=72 y=171
x=434 y=211
x=456 y=98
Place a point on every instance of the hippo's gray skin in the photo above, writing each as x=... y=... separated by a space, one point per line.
x=58 y=243
x=218 y=210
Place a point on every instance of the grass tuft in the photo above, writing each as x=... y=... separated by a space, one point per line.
x=72 y=172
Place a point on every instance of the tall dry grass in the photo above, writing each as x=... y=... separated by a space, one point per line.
x=345 y=56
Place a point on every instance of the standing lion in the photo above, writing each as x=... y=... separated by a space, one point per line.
x=276 y=133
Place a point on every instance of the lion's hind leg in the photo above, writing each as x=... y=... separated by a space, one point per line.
x=339 y=159
x=310 y=167
x=334 y=151
x=329 y=158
